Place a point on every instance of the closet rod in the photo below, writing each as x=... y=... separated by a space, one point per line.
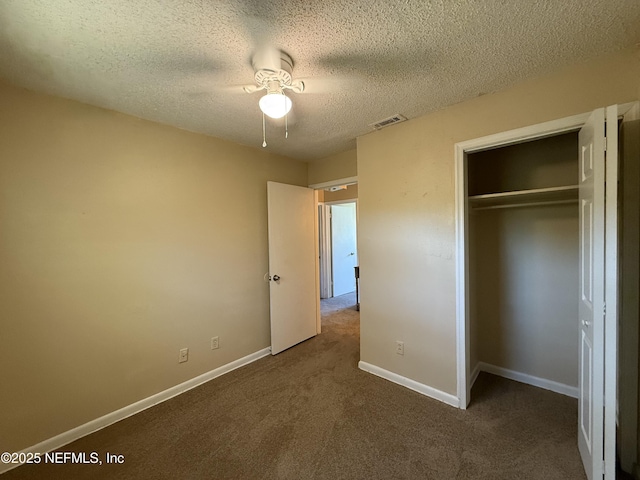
x=529 y=204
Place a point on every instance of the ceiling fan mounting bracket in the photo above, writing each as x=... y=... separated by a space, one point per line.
x=264 y=77
x=266 y=60
x=268 y=71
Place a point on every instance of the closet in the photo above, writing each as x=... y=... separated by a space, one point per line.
x=523 y=246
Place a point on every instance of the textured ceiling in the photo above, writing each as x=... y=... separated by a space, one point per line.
x=182 y=62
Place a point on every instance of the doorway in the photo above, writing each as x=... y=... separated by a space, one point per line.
x=341 y=196
x=337 y=222
x=337 y=239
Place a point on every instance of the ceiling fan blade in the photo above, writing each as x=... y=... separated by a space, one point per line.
x=332 y=85
x=260 y=30
x=180 y=66
x=378 y=66
x=216 y=89
x=297 y=86
x=251 y=88
x=266 y=57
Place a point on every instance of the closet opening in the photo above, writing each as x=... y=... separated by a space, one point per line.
x=523 y=262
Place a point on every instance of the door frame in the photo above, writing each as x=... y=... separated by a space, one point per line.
x=324 y=239
x=324 y=236
x=326 y=243
x=462 y=149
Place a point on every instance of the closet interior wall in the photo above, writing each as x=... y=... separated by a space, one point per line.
x=523 y=260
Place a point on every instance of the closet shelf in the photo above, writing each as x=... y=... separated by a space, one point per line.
x=541 y=196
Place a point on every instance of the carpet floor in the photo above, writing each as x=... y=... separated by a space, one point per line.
x=310 y=413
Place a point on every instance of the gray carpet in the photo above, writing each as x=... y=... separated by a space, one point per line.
x=309 y=413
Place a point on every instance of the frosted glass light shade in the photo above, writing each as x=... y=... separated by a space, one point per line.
x=275 y=105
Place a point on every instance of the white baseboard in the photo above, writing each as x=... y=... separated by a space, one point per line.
x=528 y=379
x=410 y=384
x=110 y=418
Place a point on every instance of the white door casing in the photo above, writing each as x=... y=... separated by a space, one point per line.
x=293 y=289
x=532 y=132
x=343 y=247
x=324 y=240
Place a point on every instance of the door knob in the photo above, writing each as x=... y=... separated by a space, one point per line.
x=276 y=278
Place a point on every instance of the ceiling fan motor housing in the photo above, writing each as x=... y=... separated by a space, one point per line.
x=268 y=72
x=264 y=77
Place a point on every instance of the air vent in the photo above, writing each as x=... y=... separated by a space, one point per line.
x=397 y=118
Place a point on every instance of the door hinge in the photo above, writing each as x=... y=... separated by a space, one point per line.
x=606 y=143
x=604 y=309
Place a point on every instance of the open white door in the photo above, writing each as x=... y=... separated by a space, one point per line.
x=343 y=247
x=293 y=289
x=598 y=281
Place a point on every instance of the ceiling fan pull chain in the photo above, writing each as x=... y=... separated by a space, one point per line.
x=286 y=126
x=264 y=133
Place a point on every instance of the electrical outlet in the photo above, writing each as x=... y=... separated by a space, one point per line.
x=215 y=343
x=399 y=347
x=184 y=355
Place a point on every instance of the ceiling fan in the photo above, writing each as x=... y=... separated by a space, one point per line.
x=273 y=73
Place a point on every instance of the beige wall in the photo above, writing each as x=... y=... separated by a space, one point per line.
x=121 y=241
x=406 y=223
x=334 y=167
x=526 y=275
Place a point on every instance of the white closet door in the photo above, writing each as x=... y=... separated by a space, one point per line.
x=591 y=362
x=598 y=282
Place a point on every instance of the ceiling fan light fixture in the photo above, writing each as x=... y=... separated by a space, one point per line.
x=275 y=104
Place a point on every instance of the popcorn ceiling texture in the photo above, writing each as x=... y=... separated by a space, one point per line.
x=182 y=63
